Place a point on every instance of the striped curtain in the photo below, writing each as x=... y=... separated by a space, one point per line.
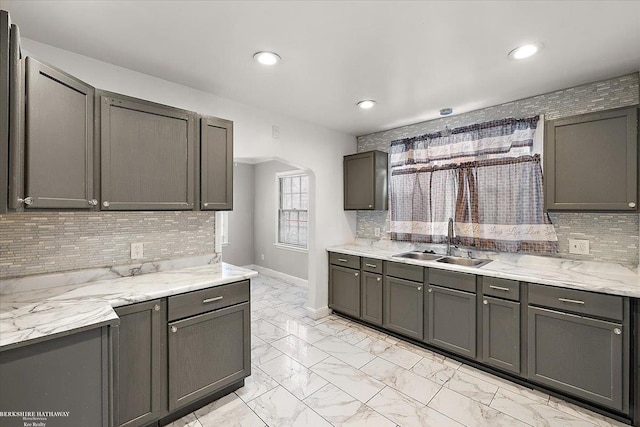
x=487 y=177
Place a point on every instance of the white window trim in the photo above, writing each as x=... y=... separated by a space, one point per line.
x=277 y=244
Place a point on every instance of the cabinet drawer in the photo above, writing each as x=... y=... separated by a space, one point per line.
x=583 y=302
x=501 y=288
x=453 y=280
x=405 y=271
x=351 y=261
x=197 y=302
x=371 y=264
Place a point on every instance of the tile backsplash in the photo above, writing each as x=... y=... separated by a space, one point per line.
x=613 y=237
x=47 y=242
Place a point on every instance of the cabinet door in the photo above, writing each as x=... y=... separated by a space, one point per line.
x=141 y=364
x=216 y=164
x=372 y=298
x=207 y=353
x=359 y=185
x=591 y=161
x=404 y=307
x=452 y=320
x=59 y=139
x=576 y=354
x=147 y=155
x=68 y=373
x=501 y=333
x=344 y=290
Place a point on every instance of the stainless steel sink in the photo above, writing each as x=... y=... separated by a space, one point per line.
x=422 y=256
x=467 y=262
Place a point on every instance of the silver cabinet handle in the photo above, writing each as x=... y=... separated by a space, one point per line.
x=342 y=260
x=356 y=274
x=370 y=206
x=27 y=201
x=419 y=288
x=378 y=279
x=485 y=302
x=174 y=329
x=214 y=299
x=371 y=265
x=156 y=307
x=430 y=290
x=632 y=204
x=106 y=204
x=572 y=301
x=92 y=202
x=499 y=288
x=617 y=331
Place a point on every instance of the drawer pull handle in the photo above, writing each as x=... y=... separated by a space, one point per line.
x=499 y=288
x=572 y=301
x=174 y=329
x=208 y=300
x=342 y=260
x=371 y=265
x=617 y=331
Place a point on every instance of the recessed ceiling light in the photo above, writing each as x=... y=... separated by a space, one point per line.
x=366 y=104
x=446 y=111
x=266 y=58
x=526 y=50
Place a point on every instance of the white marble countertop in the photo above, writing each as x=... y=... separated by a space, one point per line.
x=591 y=276
x=39 y=313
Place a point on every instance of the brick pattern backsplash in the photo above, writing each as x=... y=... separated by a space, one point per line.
x=47 y=242
x=613 y=236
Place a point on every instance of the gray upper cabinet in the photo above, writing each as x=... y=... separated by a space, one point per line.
x=591 y=161
x=147 y=155
x=365 y=181
x=216 y=164
x=141 y=364
x=58 y=167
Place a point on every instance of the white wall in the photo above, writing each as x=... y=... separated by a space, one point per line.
x=239 y=251
x=291 y=262
x=303 y=144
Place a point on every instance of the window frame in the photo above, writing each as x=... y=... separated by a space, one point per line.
x=278 y=208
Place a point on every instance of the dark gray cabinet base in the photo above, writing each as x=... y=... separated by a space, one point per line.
x=404 y=307
x=67 y=374
x=344 y=290
x=452 y=320
x=501 y=334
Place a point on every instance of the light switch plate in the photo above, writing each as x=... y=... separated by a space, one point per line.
x=137 y=250
x=579 y=246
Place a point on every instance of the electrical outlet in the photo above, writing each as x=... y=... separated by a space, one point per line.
x=137 y=250
x=579 y=246
x=376 y=232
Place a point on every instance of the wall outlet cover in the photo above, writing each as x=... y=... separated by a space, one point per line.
x=137 y=250
x=376 y=231
x=579 y=246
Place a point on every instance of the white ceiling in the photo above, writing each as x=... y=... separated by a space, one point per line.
x=414 y=58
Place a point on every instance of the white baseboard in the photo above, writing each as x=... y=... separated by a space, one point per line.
x=319 y=313
x=278 y=275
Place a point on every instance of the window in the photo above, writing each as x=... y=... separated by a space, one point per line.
x=293 y=215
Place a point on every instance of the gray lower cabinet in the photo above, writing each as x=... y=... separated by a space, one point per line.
x=578 y=355
x=372 y=298
x=216 y=164
x=501 y=334
x=451 y=322
x=58 y=165
x=66 y=374
x=208 y=352
x=404 y=307
x=141 y=364
x=147 y=155
x=344 y=290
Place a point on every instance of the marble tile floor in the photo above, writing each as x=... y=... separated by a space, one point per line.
x=333 y=372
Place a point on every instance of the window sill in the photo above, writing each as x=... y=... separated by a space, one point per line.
x=291 y=248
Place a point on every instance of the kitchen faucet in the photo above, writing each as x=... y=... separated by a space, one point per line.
x=449 y=236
